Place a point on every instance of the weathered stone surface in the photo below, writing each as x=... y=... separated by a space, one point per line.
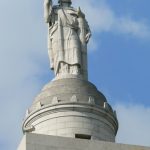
x=70 y=106
x=68 y=36
x=44 y=142
x=69 y=120
x=67 y=107
x=65 y=89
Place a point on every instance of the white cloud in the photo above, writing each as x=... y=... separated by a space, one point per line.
x=103 y=19
x=99 y=16
x=22 y=51
x=134 y=124
x=132 y=27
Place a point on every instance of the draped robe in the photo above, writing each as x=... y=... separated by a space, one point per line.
x=64 y=42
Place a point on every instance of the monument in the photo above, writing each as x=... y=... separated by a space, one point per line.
x=69 y=113
x=68 y=35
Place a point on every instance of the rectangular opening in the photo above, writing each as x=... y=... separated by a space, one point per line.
x=83 y=136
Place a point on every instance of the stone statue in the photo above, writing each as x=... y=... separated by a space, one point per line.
x=68 y=35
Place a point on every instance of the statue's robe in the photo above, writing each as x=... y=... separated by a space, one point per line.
x=64 y=42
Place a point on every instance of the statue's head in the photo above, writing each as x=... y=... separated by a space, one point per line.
x=64 y=1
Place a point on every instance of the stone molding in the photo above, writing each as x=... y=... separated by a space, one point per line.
x=72 y=109
x=45 y=142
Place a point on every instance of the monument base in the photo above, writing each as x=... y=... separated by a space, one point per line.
x=72 y=108
x=32 y=141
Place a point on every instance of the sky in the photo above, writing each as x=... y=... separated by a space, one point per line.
x=118 y=55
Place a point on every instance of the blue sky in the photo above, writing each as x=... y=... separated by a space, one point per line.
x=118 y=63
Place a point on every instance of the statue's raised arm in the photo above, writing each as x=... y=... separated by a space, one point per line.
x=47 y=10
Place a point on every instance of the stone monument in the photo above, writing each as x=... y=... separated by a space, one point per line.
x=68 y=107
x=68 y=35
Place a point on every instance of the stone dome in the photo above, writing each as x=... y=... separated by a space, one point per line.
x=64 y=90
x=72 y=108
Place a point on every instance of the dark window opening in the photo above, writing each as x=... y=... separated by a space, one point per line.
x=83 y=136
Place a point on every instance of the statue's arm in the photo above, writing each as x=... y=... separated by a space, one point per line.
x=88 y=32
x=47 y=10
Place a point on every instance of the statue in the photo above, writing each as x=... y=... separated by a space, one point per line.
x=68 y=35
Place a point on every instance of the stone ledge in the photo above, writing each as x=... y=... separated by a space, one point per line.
x=71 y=109
x=45 y=142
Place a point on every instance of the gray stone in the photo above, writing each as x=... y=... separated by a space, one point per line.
x=72 y=106
x=65 y=89
x=92 y=100
x=55 y=100
x=73 y=118
x=44 y=142
x=74 y=98
x=68 y=36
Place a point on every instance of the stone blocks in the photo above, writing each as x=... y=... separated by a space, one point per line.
x=70 y=122
x=45 y=142
x=69 y=108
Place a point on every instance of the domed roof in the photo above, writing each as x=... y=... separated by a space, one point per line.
x=71 y=107
x=67 y=90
